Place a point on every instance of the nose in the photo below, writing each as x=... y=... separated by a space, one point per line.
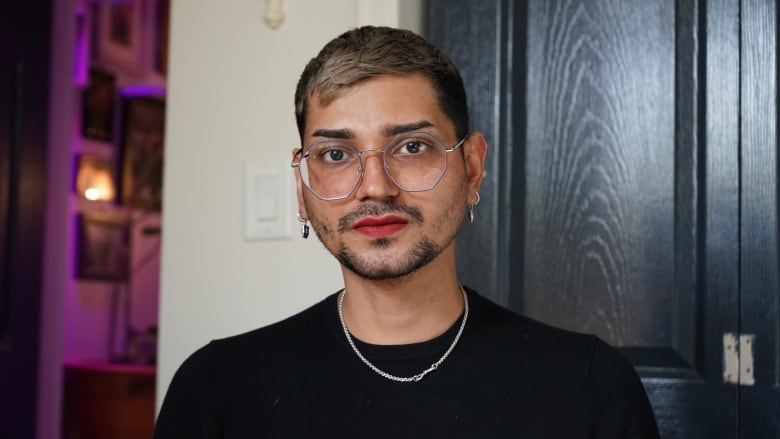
x=375 y=184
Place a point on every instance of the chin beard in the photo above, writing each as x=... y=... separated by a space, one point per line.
x=423 y=252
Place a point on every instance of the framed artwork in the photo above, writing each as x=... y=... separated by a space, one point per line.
x=98 y=106
x=104 y=243
x=142 y=152
x=95 y=178
x=119 y=34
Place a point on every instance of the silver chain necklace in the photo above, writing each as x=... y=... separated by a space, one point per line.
x=420 y=375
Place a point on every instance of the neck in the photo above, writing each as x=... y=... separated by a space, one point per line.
x=412 y=309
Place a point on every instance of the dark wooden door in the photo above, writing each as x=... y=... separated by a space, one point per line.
x=24 y=83
x=631 y=186
x=758 y=260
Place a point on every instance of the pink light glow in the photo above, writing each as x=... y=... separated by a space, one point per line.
x=143 y=90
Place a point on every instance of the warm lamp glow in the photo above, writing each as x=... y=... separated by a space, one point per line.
x=100 y=188
x=94 y=178
x=92 y=194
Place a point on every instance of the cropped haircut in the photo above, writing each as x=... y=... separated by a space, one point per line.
x=369 y=51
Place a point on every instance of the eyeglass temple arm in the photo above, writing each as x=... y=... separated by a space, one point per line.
x=457 y=145
x=295 y=164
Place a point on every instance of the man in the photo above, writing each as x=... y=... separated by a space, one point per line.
x=386 y=175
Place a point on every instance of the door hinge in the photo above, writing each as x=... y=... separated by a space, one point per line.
x=738 y=358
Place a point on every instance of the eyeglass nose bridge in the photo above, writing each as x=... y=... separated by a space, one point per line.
x=381 y=153
x=385 y=168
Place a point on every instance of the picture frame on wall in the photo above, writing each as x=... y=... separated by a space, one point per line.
x=95 y=178
x=98 y=106
x=142 y=151
x=119 y=33
x=104 y=246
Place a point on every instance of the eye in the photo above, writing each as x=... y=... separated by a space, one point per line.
x=411 y=147
x=333 y=153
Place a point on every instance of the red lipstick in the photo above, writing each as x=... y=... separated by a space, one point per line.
x=380 y=227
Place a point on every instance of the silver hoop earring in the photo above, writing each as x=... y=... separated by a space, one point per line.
x=304 y=226
x=471 y=208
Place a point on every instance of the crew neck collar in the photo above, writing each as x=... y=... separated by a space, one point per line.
x=411 y=351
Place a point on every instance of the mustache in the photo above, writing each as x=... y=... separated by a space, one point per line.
x=376 y=209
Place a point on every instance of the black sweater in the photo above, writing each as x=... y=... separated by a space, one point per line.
x=508 y=377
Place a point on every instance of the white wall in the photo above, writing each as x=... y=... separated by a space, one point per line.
x=230 y=99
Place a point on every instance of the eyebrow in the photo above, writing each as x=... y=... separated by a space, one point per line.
x=334 y=134
x=394 y=130
x=388 y=131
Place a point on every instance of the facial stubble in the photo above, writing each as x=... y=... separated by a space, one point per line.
x=423 y=251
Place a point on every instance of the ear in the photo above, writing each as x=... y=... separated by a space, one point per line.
x=299 y=187
x=475 y=151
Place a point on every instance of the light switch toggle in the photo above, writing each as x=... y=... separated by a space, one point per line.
x=266 y=189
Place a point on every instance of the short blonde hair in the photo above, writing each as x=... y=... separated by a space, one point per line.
x=369 y=51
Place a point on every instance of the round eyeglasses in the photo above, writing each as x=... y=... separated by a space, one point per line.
x=333 y=169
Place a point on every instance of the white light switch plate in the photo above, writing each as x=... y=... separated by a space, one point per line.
x=267 y=200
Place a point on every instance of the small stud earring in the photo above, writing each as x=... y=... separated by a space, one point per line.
x=304 y=226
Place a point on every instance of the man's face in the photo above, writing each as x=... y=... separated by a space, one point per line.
x=381 y=232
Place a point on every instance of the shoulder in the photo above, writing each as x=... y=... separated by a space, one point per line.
x=576 y=359
x=278 y=339
x=222 y=371
x=567 y=373
x=247 y=353
x=515 y=332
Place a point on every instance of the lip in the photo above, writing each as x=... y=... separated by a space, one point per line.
x=380 y=227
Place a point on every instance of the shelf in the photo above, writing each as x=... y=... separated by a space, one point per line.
x=108 y=400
